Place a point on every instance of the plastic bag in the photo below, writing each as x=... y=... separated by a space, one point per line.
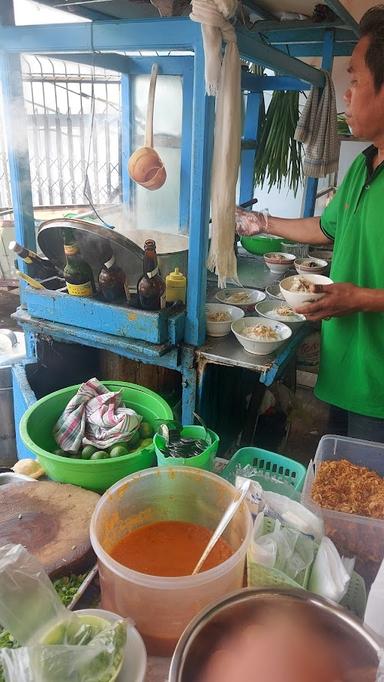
x=294 y=514
x=268 y=481
x=57 y=645
x=284 y=549
x=331 y=575
x=374 y=612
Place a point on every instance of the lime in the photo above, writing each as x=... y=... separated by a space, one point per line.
x=118 y=450
x=100 y=454
x=60 y=453
x=88 y=451
x=146 y=442
x=135 y=440
x=146 y=430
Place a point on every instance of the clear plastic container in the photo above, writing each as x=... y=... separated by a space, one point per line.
x=162 y=607
x=353 y=535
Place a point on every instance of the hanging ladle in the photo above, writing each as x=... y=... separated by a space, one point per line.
x=145 y=165
x=223 y=523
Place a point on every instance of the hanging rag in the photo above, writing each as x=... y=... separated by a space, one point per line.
x=317 y=129
x=95 y=416
x=222 y=79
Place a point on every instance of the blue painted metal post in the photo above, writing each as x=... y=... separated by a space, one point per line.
x=251 y=129
x=188 y=380
x=186 y=147
x=202 y=138
x=311 y=184
x=17 y=146
x=126 y=138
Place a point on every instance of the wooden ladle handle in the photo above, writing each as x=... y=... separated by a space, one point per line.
x=150 y=107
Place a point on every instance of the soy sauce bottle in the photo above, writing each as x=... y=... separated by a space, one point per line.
x=77 y=272
x=151 y=286
x=112 y=282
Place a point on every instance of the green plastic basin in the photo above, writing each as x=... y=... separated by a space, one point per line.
x=36 y=430
x=261 y=245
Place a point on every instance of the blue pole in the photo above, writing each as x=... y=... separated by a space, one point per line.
x=251 y=128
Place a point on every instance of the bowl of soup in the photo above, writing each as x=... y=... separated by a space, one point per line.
x=149 y=531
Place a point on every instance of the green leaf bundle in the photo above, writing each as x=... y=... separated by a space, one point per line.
x=279 y=155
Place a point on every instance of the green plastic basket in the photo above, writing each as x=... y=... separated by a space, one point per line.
x=258 y=576
x=204 y=460
x=273 y=467
x=36 y=430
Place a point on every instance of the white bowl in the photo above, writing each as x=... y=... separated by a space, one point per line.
x=135 y=658
x=241 y=298
x=273 y=291
x=221 y=328
x=260 y=347
x=318 y=266
x=278 y=262
x=268 y=310
x=298 y=298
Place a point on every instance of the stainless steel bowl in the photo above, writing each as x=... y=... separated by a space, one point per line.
x=200 y=638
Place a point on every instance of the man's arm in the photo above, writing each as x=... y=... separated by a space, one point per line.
x=305 y=230
x=343 y=299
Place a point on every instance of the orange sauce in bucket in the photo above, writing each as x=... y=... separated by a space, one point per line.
x=168 y=549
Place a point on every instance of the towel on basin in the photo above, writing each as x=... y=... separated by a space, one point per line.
x=95 y=416
x=317 y=129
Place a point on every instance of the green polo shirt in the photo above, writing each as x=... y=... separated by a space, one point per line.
x=351 y=372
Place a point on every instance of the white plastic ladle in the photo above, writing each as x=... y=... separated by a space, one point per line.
x=223 y=523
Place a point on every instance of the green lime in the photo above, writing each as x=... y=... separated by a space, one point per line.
x=146 y=430
x=88 y=451
x=60 y=453
x=134 y=441
x=146 y=442
x=118 y=450
x=100 y=454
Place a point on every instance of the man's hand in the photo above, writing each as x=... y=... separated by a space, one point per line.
x=249 y=223
x=338 y=300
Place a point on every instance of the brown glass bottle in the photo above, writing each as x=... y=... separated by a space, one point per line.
x=77 y=272
x=112 y=282
x=43 y=267
x=151 y=286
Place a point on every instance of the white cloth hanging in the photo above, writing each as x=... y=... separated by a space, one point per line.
x=223 y=79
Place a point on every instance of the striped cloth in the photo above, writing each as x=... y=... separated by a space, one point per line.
x=317 y=129
x=95 y=416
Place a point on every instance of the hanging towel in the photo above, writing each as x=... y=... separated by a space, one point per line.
x=222 y=78
x=317 y=129
x=95 y=416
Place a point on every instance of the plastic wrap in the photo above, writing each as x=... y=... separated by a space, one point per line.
x=330 y=574
x=285 y=549
x=57 y=645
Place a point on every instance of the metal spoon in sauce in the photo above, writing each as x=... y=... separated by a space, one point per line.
x=223 y=523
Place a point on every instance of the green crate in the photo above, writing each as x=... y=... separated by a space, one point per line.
x=270 y=464
x=259 y=576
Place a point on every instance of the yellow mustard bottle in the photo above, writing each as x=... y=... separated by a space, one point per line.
x=175 y=286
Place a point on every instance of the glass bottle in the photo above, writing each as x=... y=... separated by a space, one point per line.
x=151 y=286
x=77 y=272
x=43 y=266
x=112 y=281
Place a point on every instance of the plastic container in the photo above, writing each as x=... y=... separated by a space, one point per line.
x=270 y=465
x=162 y=607
x=352 y=534
x=36 y=432
x=203 y=461
x=176 y=286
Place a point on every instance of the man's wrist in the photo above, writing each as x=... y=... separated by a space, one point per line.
x=369 y=300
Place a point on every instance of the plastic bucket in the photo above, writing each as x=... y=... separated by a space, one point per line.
x=204 y=460
x=36 y=430
x=161 y=606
